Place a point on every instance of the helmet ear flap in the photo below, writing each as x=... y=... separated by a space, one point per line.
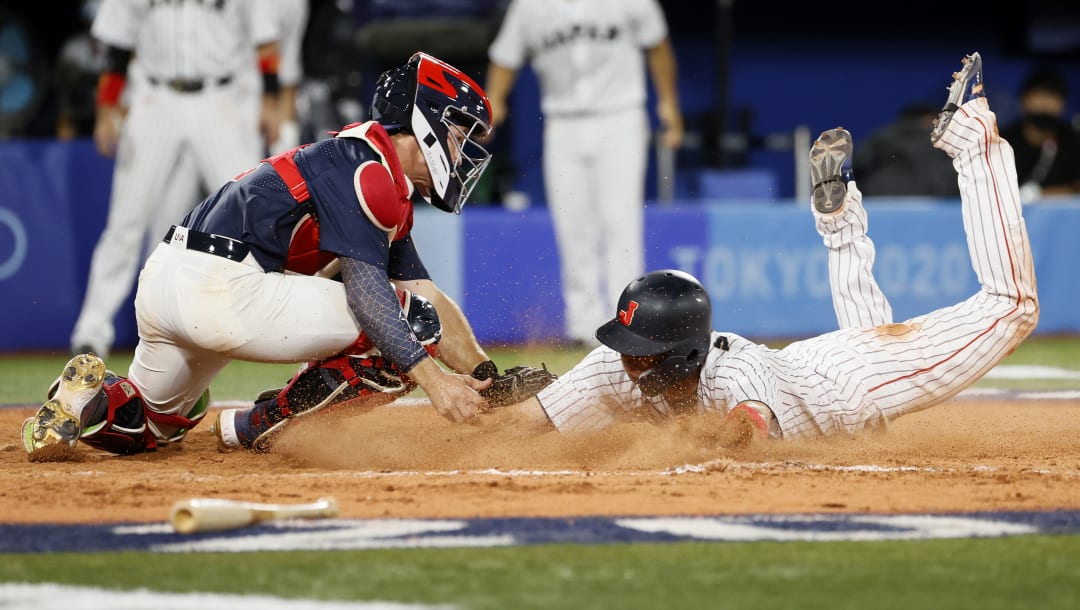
x=671 y=370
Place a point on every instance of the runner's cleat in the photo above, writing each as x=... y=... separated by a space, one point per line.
x=830 y=170
x=967 y=85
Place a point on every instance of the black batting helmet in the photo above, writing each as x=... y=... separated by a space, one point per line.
x=447 y=112
x=664 y=312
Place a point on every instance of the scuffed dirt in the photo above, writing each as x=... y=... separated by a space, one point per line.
x=394 y=461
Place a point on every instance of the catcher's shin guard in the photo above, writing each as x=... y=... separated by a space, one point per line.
x=359 y=371
x=316 y=387
x=125 y=425
x=120 y=426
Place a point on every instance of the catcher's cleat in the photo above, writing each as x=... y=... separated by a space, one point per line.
x=54 y=387
x=59 y=419
x=967 y=85
x=234 y=430
x=255 y=427
x=830 y=170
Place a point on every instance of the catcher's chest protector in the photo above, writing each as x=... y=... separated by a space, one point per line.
x=381 y=190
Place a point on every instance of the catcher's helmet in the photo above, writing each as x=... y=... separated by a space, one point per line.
x=664 y=312
x=446 y=111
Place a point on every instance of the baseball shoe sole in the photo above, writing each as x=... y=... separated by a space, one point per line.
x=830 y=169
x=58 y=420
x=967 y=85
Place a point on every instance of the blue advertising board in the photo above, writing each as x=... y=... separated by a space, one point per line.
x=761 y=261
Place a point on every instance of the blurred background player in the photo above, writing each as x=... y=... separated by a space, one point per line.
x=188 y=98
x=78 y=66
x=185 y=185
x=588 y=57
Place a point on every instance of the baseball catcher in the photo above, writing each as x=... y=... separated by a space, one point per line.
x=115 y=419
x=248 y=274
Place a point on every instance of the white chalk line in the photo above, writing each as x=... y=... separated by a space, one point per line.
x=721 y=465
x=51 y=596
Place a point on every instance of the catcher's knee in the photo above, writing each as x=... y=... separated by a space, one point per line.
x=119 y=426
x=126 y=425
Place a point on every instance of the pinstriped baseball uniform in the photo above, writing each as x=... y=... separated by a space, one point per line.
x=214 y=128
x=871 y=370
x=184 y=185
x=589 y=59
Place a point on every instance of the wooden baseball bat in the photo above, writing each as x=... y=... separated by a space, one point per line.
x=214 y=514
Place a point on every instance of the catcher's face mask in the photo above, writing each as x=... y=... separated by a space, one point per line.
x=450 y=116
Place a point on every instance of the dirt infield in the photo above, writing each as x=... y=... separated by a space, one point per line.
x=964 y=455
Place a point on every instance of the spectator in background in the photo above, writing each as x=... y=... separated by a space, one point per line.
x=897 y=160
x=590 y=60
x=1046 y=144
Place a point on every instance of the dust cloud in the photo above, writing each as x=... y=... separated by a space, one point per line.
x=416 y=438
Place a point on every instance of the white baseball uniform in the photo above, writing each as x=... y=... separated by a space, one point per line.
x=188 y=98
x=872 y=370
x=185 y=187
x=589 y=59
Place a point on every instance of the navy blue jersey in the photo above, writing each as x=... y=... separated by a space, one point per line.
x=258 y=209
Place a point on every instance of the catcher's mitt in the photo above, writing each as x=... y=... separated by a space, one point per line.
x=516 y=384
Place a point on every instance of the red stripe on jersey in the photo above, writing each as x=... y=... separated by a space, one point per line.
x=1012 y=265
